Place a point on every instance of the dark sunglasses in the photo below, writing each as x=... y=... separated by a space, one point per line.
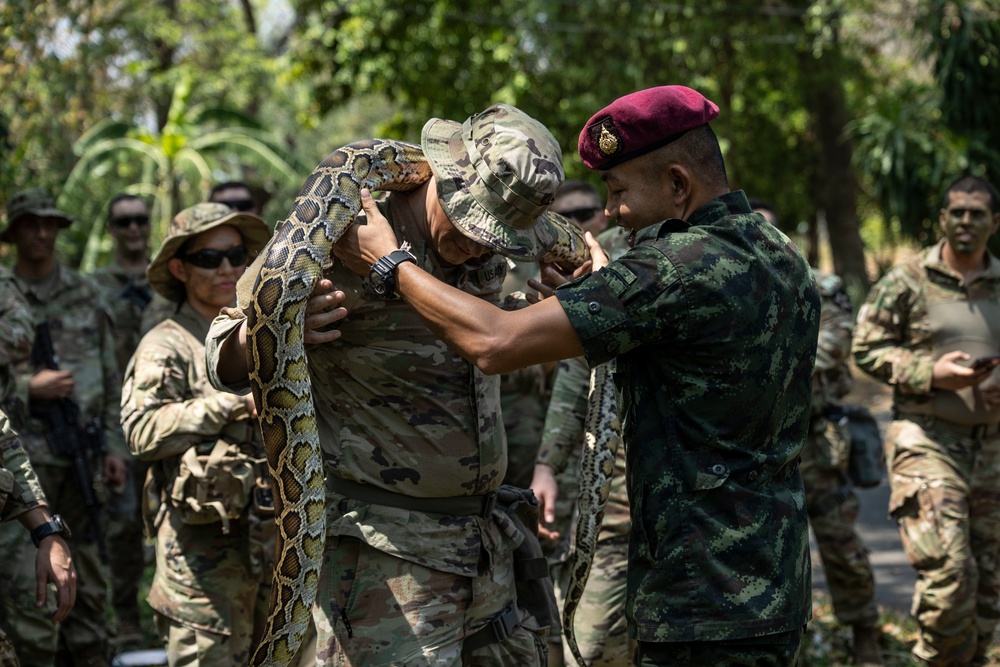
x=209 y=258
x=580 y=214
x=238 y=204
x=125 y=221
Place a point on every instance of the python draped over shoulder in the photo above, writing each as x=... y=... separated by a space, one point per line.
x=273 y=294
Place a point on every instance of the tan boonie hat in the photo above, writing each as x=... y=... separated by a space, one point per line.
x=496 y=174
x=33 y=201
x=191 y=222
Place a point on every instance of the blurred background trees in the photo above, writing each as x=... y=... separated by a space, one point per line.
x=849 y=116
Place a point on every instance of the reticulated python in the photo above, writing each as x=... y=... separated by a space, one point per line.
x=602 y=431
x=273 y=294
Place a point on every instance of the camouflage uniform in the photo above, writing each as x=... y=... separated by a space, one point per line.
x=16 y=330
x=19 y=492
x=127 y=295
x=206 y=581
x=426 y=429
x=942 y=447
x=830 y=501
x=712 y=324
x=81 y=336
x=601 y=630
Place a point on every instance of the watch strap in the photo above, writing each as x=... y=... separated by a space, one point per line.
x=54 y=526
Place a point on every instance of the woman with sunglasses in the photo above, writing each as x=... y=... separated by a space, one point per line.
x=207 y=499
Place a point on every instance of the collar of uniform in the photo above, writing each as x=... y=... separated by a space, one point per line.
x=731 y=203
x=933 y=260
x=61 y=281
x=195 y=324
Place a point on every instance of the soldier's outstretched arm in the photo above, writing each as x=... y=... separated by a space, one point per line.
x=496 y=341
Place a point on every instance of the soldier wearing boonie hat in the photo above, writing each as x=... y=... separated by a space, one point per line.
x=214 y=524
x=35 y=202
x=69 y=308
x=712 y=319
x=389 y=395
x=492 y=189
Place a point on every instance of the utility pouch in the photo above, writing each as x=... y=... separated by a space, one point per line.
x=215 y=487
x=866 y=462
x=535 y=593
x=6 y=487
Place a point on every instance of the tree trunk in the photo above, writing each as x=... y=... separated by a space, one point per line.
x=836 y=186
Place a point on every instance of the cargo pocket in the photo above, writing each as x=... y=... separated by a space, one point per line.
x=916 y=508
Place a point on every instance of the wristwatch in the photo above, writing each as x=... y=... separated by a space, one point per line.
x=54 y=526
x=382 y=277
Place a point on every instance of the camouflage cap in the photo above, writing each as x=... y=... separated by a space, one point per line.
x=33 y=201
x=496 y=174
x=193 y=221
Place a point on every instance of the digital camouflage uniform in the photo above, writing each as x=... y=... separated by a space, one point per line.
x=830 y=501
x=81 y=336
x=601 y=630
x=127 y=294
x=399 y=410
x=712 y=326
x=942 y=448
x=205 y=580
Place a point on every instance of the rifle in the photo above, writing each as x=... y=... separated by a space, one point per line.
x=139 y=295
x=65 y=437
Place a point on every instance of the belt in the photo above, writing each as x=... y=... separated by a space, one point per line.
x=974 y=431
x=481 y=505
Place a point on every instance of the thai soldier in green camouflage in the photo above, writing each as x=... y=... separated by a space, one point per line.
x=920 y=330
x=207 y=492
x=601 y=630
x=88 y=375
x=711 y=320
x=21 y=495
x=127 y=293
x=419 y=564
x=830 y=500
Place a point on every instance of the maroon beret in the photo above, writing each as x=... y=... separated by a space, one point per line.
x=641 y=122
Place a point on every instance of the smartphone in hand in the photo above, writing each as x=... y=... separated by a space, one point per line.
x=989 y=362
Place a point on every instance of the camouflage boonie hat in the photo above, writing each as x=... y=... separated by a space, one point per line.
x=33 y=201
x=191 y=222
x=496 y=174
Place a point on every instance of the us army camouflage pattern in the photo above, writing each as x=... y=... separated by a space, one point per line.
x=81 y=335
x=831 y=503
x=601 y=629
x=203 y=580
x=125 y=312
x=16 y=330
x=398 y=409
x=19 y=492
x=944 y=485
x=713 y=325
x=83 y=341
x=19 y=486
x=500 y=133
x=524 y=397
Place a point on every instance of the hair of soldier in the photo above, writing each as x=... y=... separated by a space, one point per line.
x=229 y=184
x=970 y=184
x=575 y=185
x=699 y=150
x=122 y=197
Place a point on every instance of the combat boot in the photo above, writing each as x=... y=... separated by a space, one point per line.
x=867 y=647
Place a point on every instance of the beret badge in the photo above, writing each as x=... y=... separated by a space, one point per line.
x=605 y=135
